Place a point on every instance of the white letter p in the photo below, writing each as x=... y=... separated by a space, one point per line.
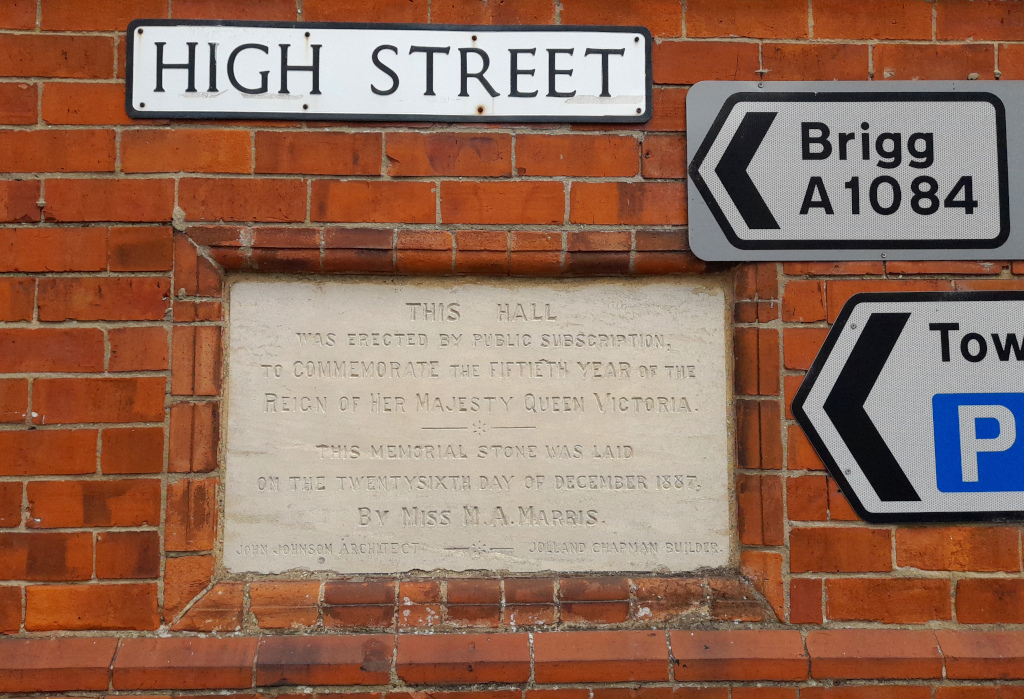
x=971 y=445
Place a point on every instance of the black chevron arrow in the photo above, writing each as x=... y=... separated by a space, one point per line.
x=845 y=407
x=732 y=170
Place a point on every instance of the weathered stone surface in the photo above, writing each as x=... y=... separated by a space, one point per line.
x=378 y=426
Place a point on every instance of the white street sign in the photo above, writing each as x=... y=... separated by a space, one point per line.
x=387 y=72
x=849 y=171
x=916 y=404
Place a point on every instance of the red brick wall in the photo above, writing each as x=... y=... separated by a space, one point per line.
x=115 y=239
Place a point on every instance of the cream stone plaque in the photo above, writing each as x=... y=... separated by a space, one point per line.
x=391 y=425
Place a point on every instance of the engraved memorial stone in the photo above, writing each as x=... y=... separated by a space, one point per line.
x=383 y=426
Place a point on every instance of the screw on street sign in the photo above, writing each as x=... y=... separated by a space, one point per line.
x=916 y=405
x=855 y=170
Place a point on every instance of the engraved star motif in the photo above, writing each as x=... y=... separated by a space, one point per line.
x=479 y=427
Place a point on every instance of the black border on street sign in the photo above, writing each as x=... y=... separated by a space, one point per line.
x=338 y=116
x=737 y=242
x=819 y=446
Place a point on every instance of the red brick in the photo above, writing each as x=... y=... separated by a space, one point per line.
x=365 y=10
x=783 y=19
x=138 y=349
x=53 y=249
x=187 y=150
x=280 y=10
x=132 y=450
x=874 y=654
x=10 y=507
x=689 y=62
x=79 y=150
x=958 y=548
x=886 y=19
x=764 y=571
x=734 y=599
x=593 y=589
x=283 y=605
x=801 y=455
x=1011 y=61
x=17 y=298
x=738 y=655
x=373 y=201
x=117 y=503
x=84 y=104
x=185 y=663
x=801 y=346
x=324 y=660
x=990 y=601
x=628 y=203
x=184 y=578
x=502 y=202
x=475 y=12
x=101 y=15
x=47 y=452
x=982 y=655
x=959 y=19
x=805 y=601
x=103 y=298
x=807 y=498
x=759 y=513
x=520 y=591
x=662 y=17
x=45 y=556
x=57 y=401
x=18 y=14
x=18 y=201
x=944 y=267
x=243 y=199
x=18 y=103
x=840 y=291
x=933 y=62
x=846 y=550
x=576 y=156
x=669 y=110
x=219 y=609
x=10 y=612
x=815 y=61
x=128 y=555
x=317 y=153
x=191 y=515
x=757 y=361
x=109 y=200
x=463 y=659
x=542 y=264
x=449 y=154
x=600 y=656
x=889 y=601
x=194 y=437
x=803 y=301
x=13 y=401
x=790 y=386
x=664 y=157
x=25 y=350
x=57 y=56
x=826 y=269
x=56 y=664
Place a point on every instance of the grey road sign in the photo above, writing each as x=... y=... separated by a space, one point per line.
x=916 y=404
x=856 y=170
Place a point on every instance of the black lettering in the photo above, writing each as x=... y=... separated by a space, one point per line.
x=844 y=138
x=213 y=68
x=604 y=65
x=924 y=156
x=161 y=66
x=479 y=75
x=1012 y=344
x=965 y=342
x=314 y=69
x=821 y=139
x=554 y=72
x=944 y=330
x=513 y=59
x=816 y=186
x=263 y=73
x=429 y=51
x=893 y=154
x=392 y=74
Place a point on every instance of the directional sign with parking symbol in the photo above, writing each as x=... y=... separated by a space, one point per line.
x=808 y=171
x=916 y=405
